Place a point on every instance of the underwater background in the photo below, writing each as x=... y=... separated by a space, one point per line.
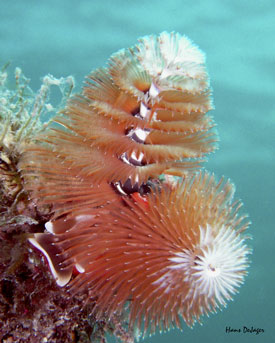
x=68 y=37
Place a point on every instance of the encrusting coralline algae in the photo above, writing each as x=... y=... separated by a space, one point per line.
x=32 y=308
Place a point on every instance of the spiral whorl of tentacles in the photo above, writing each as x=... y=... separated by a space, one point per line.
x=149 y=110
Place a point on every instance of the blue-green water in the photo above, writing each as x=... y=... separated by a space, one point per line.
x=64 y=37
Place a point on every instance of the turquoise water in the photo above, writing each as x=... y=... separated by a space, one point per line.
x=68 y=37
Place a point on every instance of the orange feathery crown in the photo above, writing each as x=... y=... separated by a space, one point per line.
x=169 y=248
